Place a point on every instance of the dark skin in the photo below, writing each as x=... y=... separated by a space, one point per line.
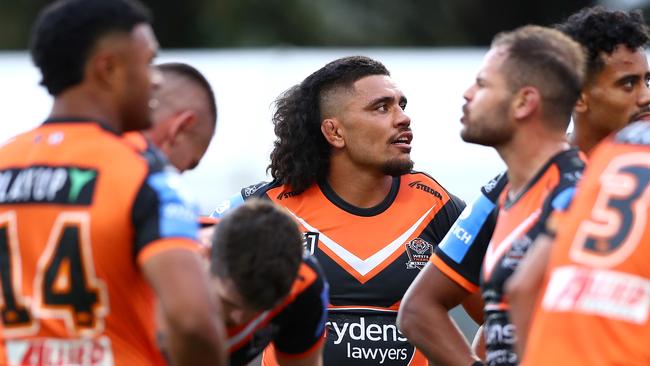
x=438 y=301
x=115 y=90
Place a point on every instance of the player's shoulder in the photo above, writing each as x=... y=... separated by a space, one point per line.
x=311 y=280
x=570 y=163
x=310 y=261
x=637 y=133
x=426 y=183
x=257 y=190
x=570 y=166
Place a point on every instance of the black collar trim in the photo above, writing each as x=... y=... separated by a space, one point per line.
x=101 y=124
x=553 y=160
x=359 y=211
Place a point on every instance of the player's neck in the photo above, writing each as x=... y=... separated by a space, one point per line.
x=77 y=102
x=525 y=159
x=358 y=187
x=586 y=137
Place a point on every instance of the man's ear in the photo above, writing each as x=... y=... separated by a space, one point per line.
x=103 y=67
x=330 y=128
x=582 y=105
x=526 y=102
x=179 y=124
x=106 y=63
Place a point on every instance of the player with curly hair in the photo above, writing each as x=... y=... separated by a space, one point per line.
x=615 y=94
x=342 y=167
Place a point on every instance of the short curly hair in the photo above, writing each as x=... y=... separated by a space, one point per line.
x=600 y=30
x=301 y=154
x=66 y=31
x=259 y=248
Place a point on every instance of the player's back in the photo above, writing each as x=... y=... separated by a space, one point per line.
x=72 y=290
x=595 y=307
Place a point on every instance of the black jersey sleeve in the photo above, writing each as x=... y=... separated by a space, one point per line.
x=257 y=190
x=444 y=219
x=462 y=250
x=302 y=323
x=571 y=167
x=161 y=209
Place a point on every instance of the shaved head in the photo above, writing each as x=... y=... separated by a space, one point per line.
x=180 y=92
x=184 y=115
x=334 y=99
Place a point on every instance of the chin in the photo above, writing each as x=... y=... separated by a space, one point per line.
x=397 y=167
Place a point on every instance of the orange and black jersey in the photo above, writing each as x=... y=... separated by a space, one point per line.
x=460 y=253
x=80 y=211
x=520 y=219
x=295 y=327
x=370 y=257
x=595 y=307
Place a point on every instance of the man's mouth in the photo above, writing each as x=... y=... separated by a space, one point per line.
x=403 y=138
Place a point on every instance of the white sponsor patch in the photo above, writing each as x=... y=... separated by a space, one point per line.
x=599 y=292
x=52 y=351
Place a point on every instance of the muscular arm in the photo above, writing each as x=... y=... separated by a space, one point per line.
x=524 y=286
x=473 y=305
x=196 y=335
x=423 y=317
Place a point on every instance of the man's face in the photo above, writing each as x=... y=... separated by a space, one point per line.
x=619 y=93
x=374 y=127
x=234 y=308
x=486 y=119
x=140 y=78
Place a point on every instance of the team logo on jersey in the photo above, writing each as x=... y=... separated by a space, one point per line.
x=284 y=195
x=66 y=185
x=423 y=187
x=419 y=251
x=310 y=242
x=250 y=190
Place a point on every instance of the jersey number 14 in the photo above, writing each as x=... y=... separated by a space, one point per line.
x=65 y=285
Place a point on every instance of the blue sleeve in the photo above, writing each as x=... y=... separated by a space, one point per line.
x=233 y=202
x=162 y=209
x=465 y=230
x=464 y=246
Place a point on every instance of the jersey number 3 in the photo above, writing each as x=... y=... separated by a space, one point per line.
x=619 y=215
x=65 y=285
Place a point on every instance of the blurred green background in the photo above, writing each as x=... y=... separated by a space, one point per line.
x=325 y=23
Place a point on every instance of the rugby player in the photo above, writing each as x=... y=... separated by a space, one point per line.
x=342 y=167
x=615 y=94
x=520 y=104
x=91 y=232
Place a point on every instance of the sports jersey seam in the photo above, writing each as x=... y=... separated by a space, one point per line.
x=64 y=120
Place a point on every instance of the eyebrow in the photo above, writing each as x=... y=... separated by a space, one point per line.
x=386 y=99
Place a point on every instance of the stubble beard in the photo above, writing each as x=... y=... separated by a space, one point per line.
x=490 y=131
x=398 y=166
